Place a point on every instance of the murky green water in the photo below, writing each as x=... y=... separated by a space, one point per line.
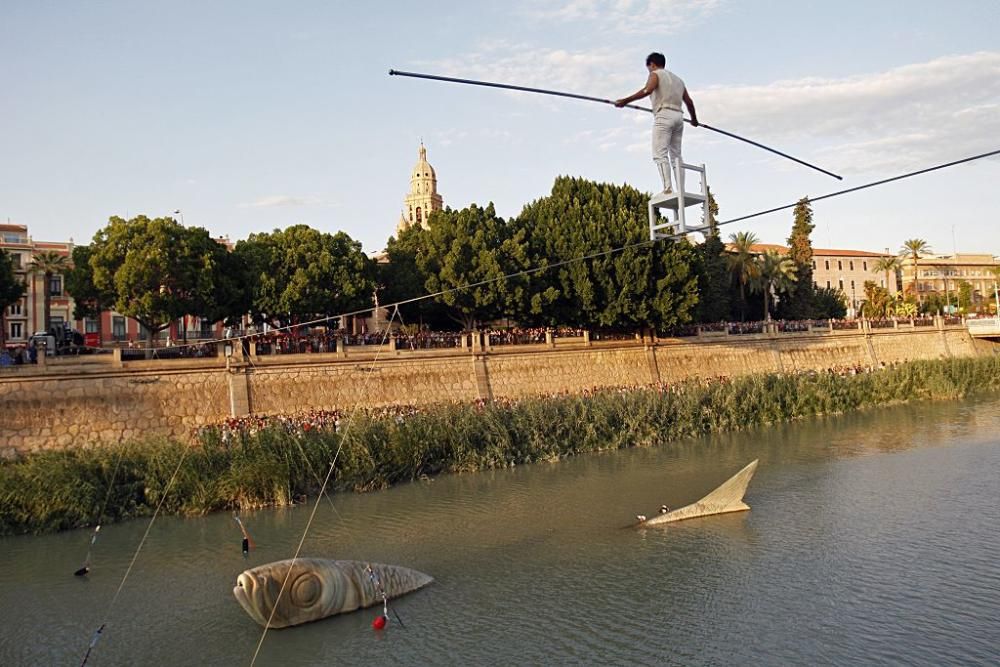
x=873 y=539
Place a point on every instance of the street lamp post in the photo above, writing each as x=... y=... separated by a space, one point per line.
x=184 y=318
x=996 y=297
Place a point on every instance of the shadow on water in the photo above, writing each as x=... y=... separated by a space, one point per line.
x=869 y=540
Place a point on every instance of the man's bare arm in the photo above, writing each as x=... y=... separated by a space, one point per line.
x=690 y=105
x=650 y=86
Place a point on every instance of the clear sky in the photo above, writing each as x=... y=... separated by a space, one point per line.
x=253 y=115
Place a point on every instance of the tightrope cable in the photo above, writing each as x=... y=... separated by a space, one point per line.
x=865 y=186
x=588 y=98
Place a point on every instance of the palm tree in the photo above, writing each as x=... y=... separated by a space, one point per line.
x=914 y=248
x=742 y=264
x=889 y=264
x=48 y=263
x=775 y=273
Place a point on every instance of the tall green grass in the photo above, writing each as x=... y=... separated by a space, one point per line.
x=66 y=489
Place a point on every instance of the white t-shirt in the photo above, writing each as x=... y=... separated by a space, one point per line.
x=669 y=91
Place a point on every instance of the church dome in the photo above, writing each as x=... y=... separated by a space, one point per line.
x=423 y=169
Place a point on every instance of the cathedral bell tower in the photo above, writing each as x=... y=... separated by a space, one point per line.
x=423 y=198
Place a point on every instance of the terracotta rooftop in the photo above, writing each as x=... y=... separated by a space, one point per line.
x=817 y=252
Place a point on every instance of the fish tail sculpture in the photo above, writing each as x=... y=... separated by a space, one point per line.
x=727 y=498
x=318 y=588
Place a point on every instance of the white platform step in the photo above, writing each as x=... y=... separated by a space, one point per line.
x=674 y=224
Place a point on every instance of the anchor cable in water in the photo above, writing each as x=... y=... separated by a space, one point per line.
x=326 y=482
x=85 y=568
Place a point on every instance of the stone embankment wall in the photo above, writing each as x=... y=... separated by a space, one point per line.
x=98 y=404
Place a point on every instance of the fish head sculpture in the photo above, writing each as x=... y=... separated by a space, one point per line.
x=317 y=588
x=309 y=592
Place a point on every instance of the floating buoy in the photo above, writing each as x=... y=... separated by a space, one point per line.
x=379 y=622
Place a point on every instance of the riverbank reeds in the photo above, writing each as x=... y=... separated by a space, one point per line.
x=67 y=489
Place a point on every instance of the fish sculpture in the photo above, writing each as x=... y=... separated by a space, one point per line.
x=726 y=498
x=319 y=587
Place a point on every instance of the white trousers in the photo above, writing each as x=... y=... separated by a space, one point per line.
x=668 y=128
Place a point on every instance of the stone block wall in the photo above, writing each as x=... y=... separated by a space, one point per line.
x=518 y=375
x=290 y=389
x=52 y=409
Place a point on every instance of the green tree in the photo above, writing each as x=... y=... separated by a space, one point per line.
x=643 y=285
x=400 y=279
x=714 y=293
x=798 y=304
x=11 y=291
x=711 y=216
x=88 y=301
x=466 y=256
x=964 y=295
x=890 y=264
x=48 y=264
x=301 y=274
x=877 y=301
x=157 y=270
x=775 y=275
x=743 y=265
x=915 y=249
x=829 y=303
x=714 y=299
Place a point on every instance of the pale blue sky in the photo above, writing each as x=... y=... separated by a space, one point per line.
x=253 y=115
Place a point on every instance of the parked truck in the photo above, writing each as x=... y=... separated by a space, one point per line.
x=59 y=339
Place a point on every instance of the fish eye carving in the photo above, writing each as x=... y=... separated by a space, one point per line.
x=306 y=590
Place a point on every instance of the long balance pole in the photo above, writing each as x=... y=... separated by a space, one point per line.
x=543 y=91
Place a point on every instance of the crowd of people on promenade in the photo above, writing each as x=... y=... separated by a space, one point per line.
x=317 y=341
x=528 y=335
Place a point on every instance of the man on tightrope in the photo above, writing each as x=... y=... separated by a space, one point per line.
x=667 y=90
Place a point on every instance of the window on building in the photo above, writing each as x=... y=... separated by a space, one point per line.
x=420 y=216
x=827 y=263
x=55 y=286
x=90 y=325
x=841 y=285
x=118 y=327
x=814 y=265
x=15 y=309
x=850 y=265
x=15 y=259
x=57 y=321
x=852 y=285
x=828 y=284
x=16 y=330
x=864 y=266
x=840 y=265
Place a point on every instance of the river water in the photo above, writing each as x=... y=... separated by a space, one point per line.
x=873 y=539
